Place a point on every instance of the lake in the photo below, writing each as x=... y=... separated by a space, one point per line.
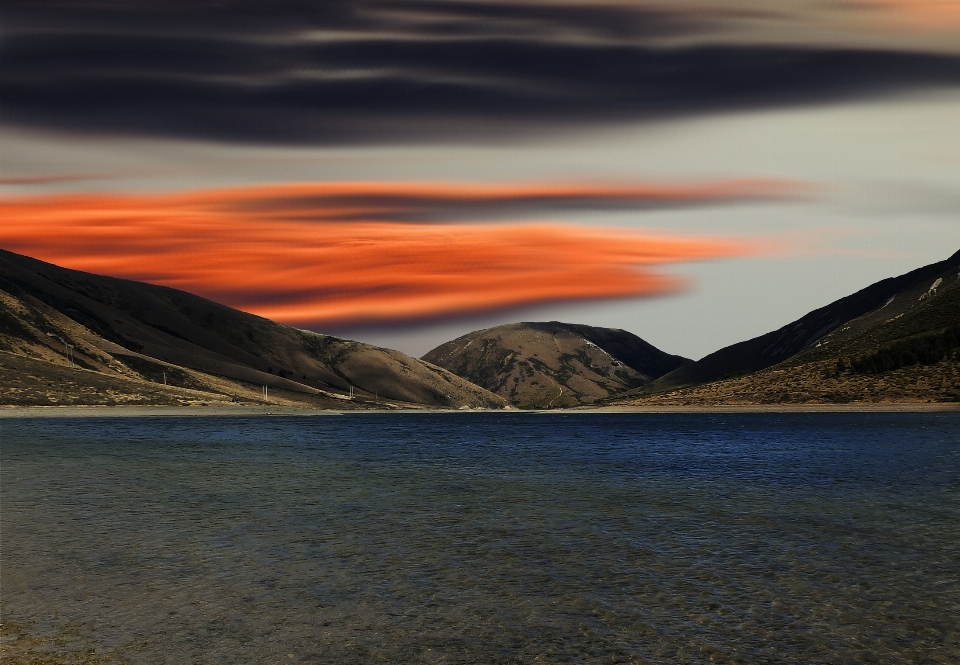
x=486 y=537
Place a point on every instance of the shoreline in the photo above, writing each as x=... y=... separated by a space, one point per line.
x=95 y=411
x=219 y=410
x=857 y=407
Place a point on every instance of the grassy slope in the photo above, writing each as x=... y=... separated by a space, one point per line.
x=779 y=345
x=132 y=330
x=812 y=376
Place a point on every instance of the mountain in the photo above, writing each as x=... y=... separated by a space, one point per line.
x=549 y=365
x=895 y=340
x=68 y=337
x=894 y=294
x=138 y=343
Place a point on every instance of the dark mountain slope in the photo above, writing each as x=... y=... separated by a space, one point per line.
x=906 y=350
x=547 y=365
x=775 y=347
x=115 y=323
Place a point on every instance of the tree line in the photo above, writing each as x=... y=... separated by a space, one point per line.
x=922 y=349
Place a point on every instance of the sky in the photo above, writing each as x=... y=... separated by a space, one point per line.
x=403 y=172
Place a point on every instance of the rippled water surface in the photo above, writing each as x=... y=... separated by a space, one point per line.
x=489 y=538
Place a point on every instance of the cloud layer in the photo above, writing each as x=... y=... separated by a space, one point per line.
x=325 y=256
x=339 y=71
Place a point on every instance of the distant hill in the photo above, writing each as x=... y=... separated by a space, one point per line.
x=550 y=365
x=138 y=343
x=892 y=341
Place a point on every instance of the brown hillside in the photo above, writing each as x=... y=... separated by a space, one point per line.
x=552 y=365
x=124 y=331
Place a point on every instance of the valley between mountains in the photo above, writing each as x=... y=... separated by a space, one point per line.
x=69 y=338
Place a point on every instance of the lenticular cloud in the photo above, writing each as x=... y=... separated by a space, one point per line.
x=334 y=255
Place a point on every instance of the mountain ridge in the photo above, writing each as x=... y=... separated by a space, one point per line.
x=69 y=337
x=107 y=320
x=910 y=316
x=776 y=346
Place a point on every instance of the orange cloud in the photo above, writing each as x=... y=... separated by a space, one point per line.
x=286 y=253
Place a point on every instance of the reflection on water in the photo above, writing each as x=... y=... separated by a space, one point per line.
x=489 y=538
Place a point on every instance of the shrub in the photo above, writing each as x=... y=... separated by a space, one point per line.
x=923 y=349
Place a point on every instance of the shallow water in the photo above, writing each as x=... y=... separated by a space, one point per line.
x=489 y=538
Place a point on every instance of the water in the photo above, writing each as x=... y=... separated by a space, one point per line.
x=488 y=538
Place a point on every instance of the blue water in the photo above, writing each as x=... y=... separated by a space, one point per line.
x=488 y=538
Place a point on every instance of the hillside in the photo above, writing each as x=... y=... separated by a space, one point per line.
x=895 y=295
x=551 y=365
x=138 y=343
x=906 y=349
x=72 y=338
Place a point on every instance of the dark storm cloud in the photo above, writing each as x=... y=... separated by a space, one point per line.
x=447 y=202
x=349 y=71
x=415 y=18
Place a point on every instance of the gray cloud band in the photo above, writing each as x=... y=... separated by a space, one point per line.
x=353 y=72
